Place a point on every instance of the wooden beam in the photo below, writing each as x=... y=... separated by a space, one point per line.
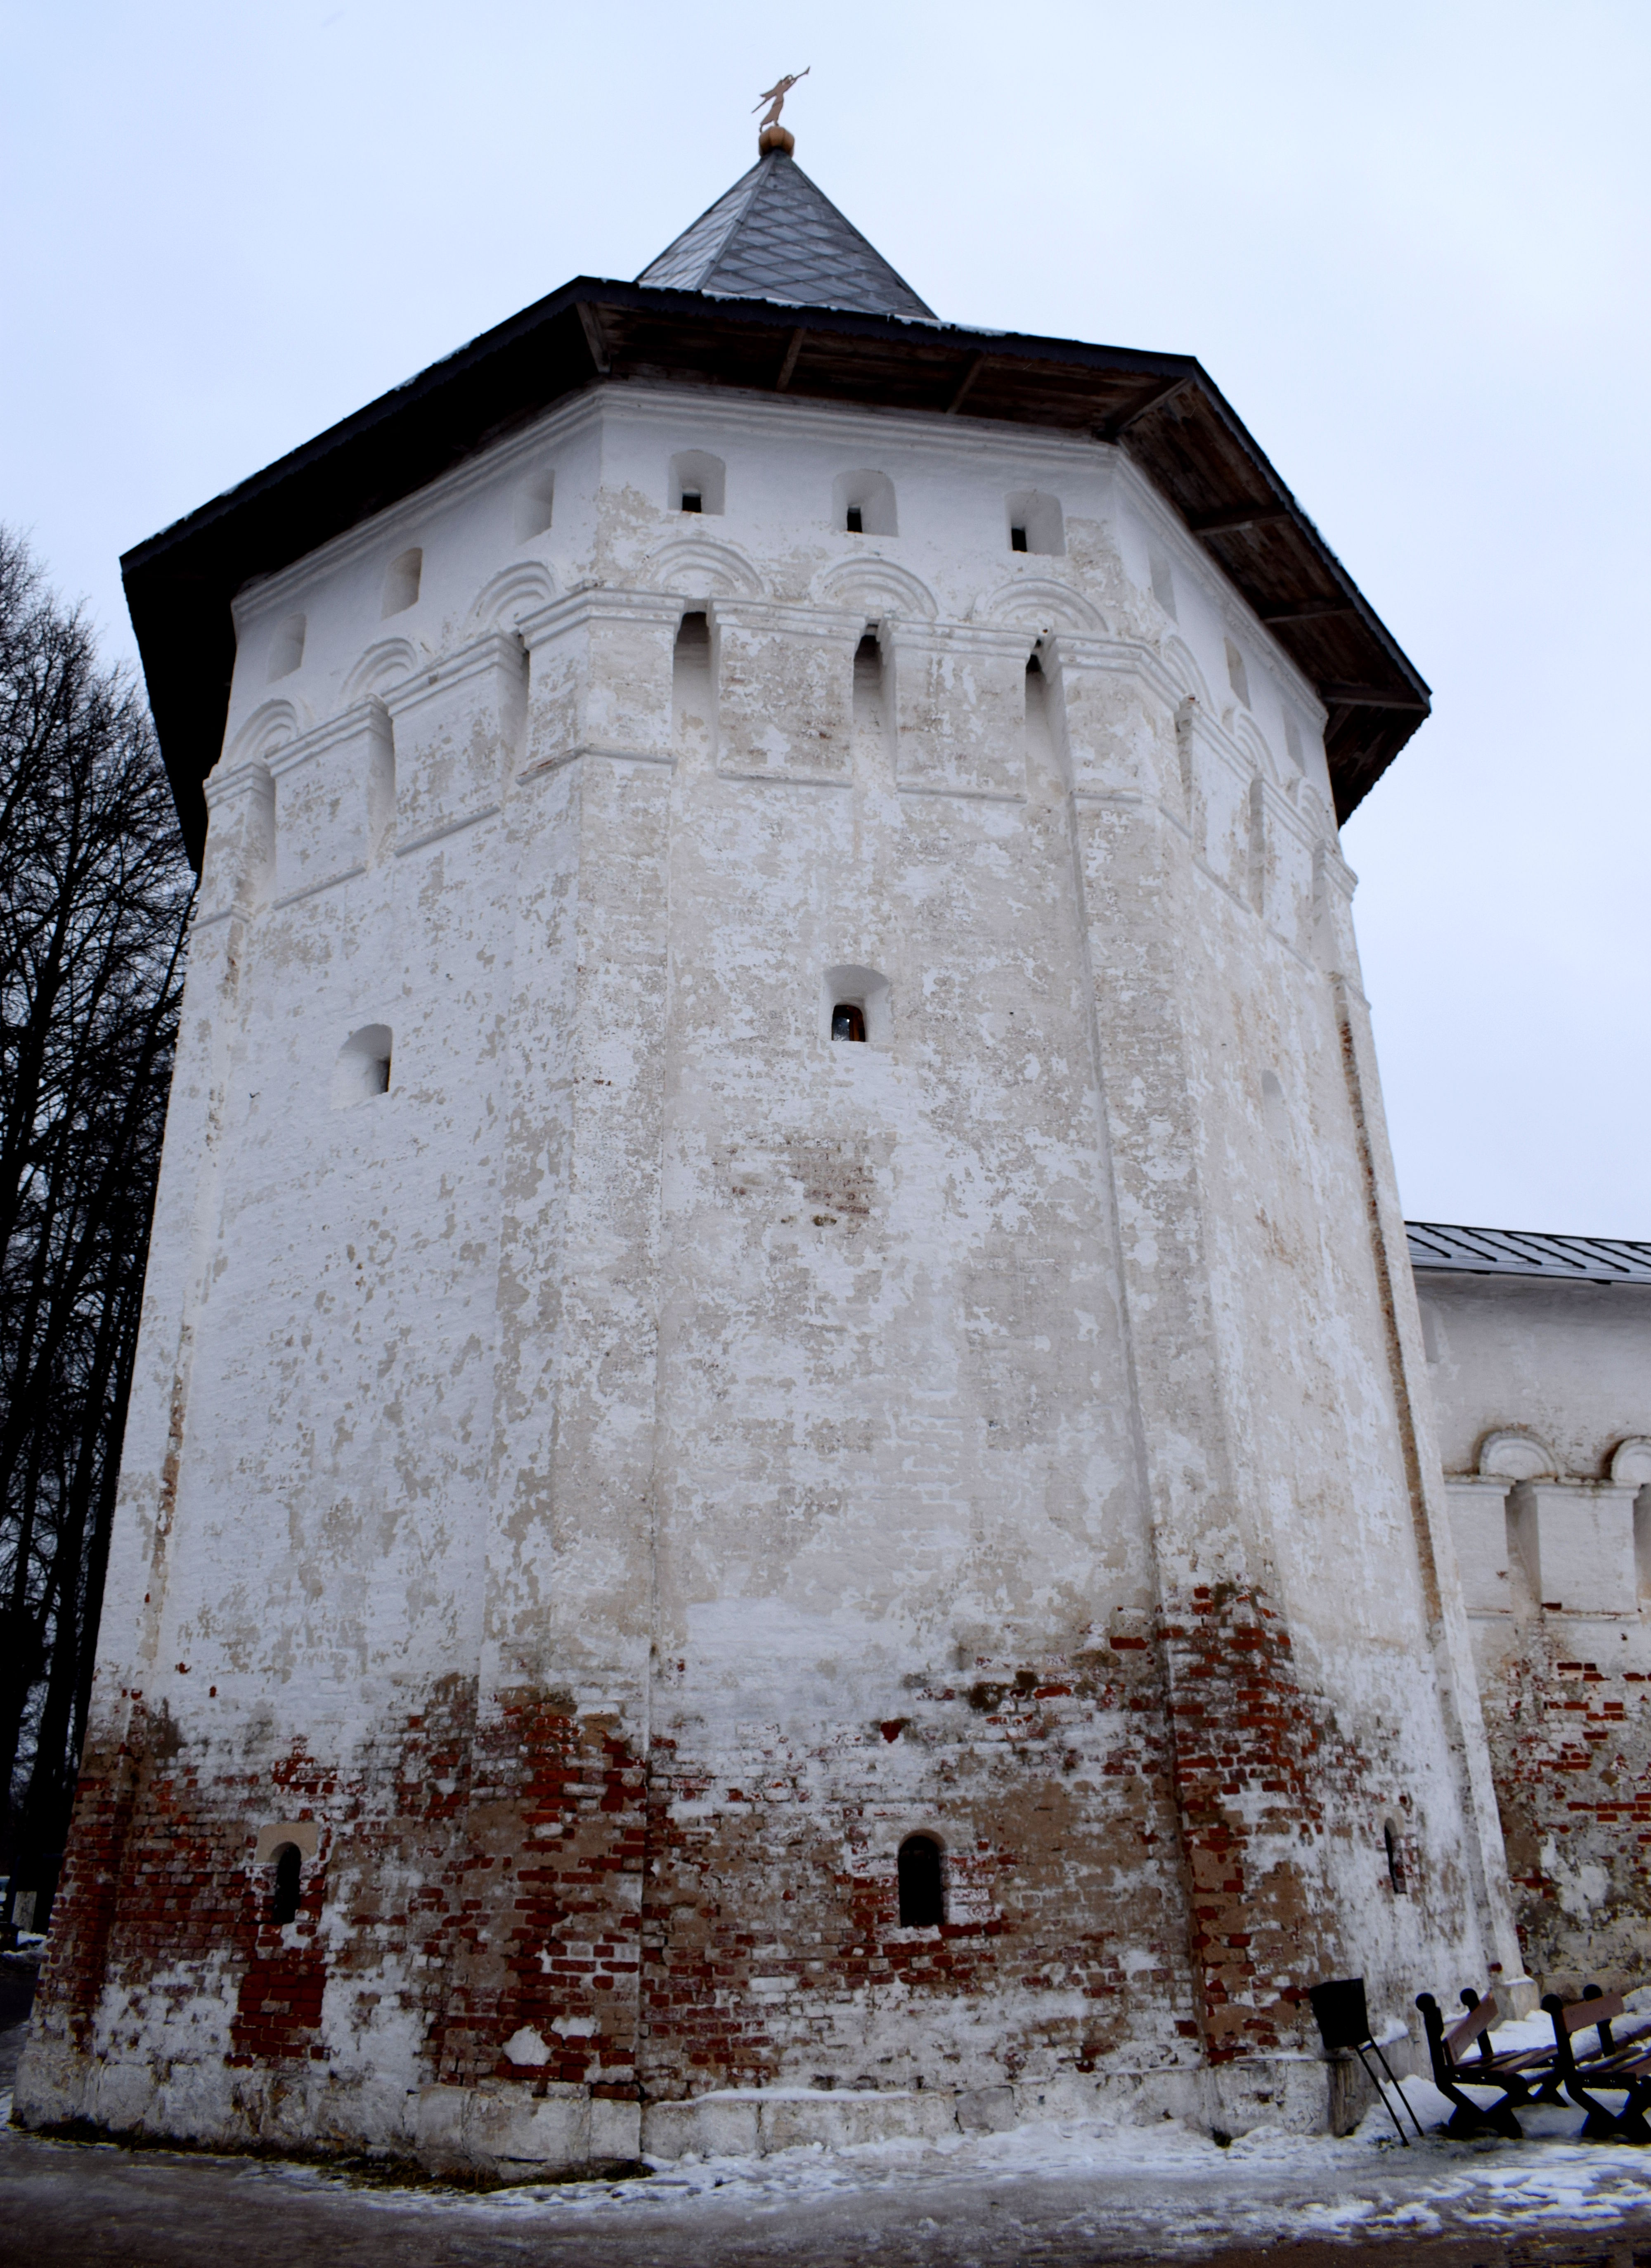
x=793 y=349
x=1371 y=696
x=964 y=384
x=1235 y=516
x=1307 y=610
x=1155 y=398
x=591 y=324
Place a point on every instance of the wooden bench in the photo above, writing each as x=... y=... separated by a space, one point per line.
x=1519 y=2075
x=1625 y=2066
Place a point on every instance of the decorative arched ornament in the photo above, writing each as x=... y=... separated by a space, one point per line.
x=269 y=728
x=1178 y=659
x=1253 y=741
x=875 y=587
x=1039 y=603
x=1512 y=1453
x=388 y=663
x=514 y=594
x=701 y=567
x=1631 y=1462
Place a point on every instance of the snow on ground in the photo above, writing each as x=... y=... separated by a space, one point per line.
x=1163 y=2189
x=1096 y=2186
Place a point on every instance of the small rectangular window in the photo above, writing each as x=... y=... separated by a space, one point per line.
x=691 y=500
x=856 y=520
x=1018 y=539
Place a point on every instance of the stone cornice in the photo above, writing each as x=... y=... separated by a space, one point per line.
x=361 y=717
x=495 y=650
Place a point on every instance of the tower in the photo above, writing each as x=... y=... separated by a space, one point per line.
x=775 y=1487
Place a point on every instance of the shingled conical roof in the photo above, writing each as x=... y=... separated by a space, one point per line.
x=775 y=236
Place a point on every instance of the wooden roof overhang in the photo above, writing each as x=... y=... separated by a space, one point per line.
x=1162 y=410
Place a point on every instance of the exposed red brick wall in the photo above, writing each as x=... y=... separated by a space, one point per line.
x=1570 y=1749
x=1243 y=1731
x=1132 y=1843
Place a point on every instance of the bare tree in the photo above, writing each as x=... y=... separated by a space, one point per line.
x=94 y=898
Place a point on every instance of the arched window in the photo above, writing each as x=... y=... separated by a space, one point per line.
x=698 y=481
x=693 y=685
x=284 y=1906
x=863 y=503
x=1035 y=523
x=363 y=1069
x=533 y=502
x=401 y=581
x=286 y=648
x=854 y=1004
x=868 y=687
x=923 y=1904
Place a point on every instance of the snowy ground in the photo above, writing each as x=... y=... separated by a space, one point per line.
x=1074 y=2191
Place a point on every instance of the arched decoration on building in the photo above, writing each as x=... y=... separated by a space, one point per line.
x=1178 y=659
x=1313 y=807
x=514 y=594
x=1039 y=602
x=389 y=662
x=1631 y=1462
x=1512 y=1453
x=703 y=567
x=876 y=587
x=1253 y=741
x=269 y=728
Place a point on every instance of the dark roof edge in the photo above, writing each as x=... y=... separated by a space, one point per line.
x=180 y=582
x=411 y=390
x=596 y=291
x=1449 y=1248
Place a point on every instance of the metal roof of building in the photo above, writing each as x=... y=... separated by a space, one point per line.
x=774 y=235
x=1521 y=1252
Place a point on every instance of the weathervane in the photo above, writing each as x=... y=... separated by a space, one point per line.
x=771 y=135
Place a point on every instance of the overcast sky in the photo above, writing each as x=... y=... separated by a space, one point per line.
x=1408 y=241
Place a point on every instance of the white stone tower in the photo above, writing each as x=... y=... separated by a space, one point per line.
x=775 y=1486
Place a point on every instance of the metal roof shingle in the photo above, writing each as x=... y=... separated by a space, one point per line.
x=774 y=235
x=1522 y=1252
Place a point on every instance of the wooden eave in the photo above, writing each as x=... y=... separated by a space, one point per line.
x=1162 y=410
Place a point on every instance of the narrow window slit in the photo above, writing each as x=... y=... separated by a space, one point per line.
x=923 y=1904
x=284 y=1905
x=691 y=500
x=849 y=1021
x=868 y=686
x=855 y=521
x=693 y=692
x=1018 y=539
x=1395 y=1857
